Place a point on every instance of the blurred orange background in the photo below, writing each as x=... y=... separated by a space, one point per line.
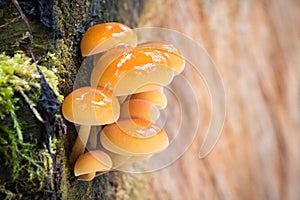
x=256 y=47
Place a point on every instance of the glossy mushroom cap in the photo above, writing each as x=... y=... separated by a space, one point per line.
x=92 y=161
x=139 y=108
x=134 y=137
x=91 y=106
x=176 y=59
x=102 y=37
x=103 y=61
x=133 y=70
x=156 y=97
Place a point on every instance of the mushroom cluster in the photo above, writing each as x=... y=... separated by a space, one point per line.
x=124 y=98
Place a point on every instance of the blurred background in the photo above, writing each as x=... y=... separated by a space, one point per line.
x=256 y=48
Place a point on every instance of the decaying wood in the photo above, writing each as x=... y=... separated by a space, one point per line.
x=256 y=47
x=57 y=28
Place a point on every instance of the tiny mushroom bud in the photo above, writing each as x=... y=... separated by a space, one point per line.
x=102 y=37
x=89 y=106
x=88 y=164
x=139 y=108
x=156 y=97
x=134 y=137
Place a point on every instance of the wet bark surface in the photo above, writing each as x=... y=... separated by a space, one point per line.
x=43 y=28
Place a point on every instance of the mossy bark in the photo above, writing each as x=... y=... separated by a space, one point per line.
x=52 y=40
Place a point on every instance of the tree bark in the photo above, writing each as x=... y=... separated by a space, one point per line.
x=50 y=32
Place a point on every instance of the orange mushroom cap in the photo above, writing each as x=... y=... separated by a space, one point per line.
x=139 y=108
x=91 y=106
x=134 y=137
x=92 y=161
x=156 y=97
x=176 y=59
x=130 y=72
x=102 y=62
x=102 y=37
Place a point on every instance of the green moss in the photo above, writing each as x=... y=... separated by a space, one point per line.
x=27 y=166
x=60 y=54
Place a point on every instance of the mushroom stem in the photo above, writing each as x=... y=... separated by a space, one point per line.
x=80 y=143
x=92 y=142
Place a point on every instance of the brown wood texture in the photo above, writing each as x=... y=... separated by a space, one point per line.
x=256 y=47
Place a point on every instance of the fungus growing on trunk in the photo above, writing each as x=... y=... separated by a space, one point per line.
x=89 y=106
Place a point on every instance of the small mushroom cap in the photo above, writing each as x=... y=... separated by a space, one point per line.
x=92 y=161
x=133 y=70
x=134 y=137
x=87 y=177
x=156 y=97
x=91 y=106
x=139 y=108
x=102 y=37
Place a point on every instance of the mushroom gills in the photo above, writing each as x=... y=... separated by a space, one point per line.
x=87 y=177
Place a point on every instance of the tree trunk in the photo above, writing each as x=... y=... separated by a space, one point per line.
x=49 y=32
x=256 y=48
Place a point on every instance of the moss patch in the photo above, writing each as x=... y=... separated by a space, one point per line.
x=26 y=166
x=56 y=32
